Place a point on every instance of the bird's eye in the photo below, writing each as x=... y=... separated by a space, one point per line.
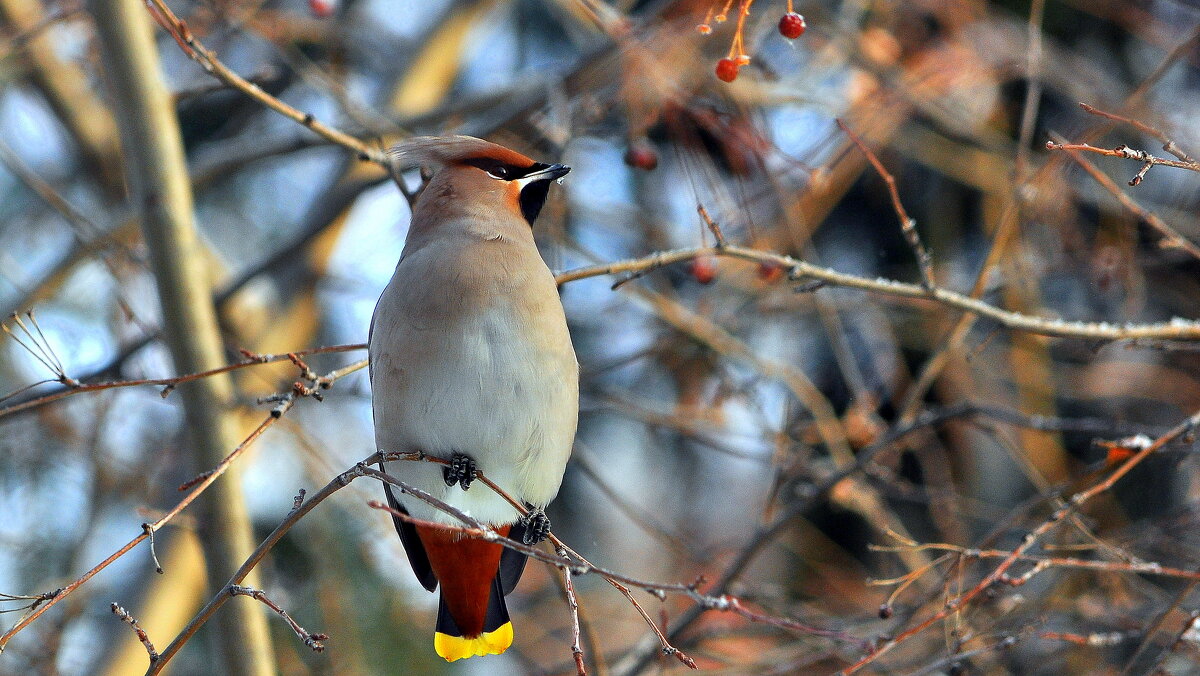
x=495 y=168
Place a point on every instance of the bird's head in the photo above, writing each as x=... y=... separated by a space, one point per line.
x=476 y=178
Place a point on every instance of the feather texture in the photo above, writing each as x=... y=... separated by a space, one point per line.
x=440 y=151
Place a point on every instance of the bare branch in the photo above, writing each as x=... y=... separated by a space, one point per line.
x=573 y=603
x=1171 y=238
x=310 y=640
x=141 y=633
x=1128 y=153
x=1168 y=144
x=169 y=384
x=199 y=487
x=1178 y=329
x=997 y=575
x=213 y=66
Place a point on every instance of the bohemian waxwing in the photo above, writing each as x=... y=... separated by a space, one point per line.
x=471 y=361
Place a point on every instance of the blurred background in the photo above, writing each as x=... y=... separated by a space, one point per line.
x=717 y=395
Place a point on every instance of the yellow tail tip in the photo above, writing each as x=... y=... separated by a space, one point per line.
x=488 y=643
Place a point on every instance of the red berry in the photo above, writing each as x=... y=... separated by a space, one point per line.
x=641 y=155
x=322 y=9
x=769 y=272
x=792 y=25
x=703 y=269
x=727 y=70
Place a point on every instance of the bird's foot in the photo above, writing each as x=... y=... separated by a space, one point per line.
x=537 y=527
x=461 y=471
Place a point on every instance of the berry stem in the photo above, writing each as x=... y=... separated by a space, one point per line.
x=724 y=11
x=738 y=48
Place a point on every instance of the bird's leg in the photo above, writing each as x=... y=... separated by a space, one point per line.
x=537 y=526
x=461 y=471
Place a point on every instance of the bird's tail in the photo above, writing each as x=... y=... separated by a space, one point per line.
x=452 y=643
x=474 y=576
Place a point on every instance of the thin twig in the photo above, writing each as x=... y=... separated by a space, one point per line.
x=940 y=665
x=706 y=601
x=907 y=224
x=1189 y=627
x=163 y=520
x=1006 y=234
x=207 y=480
x=1171 y=238
x=1168 y=144
x=1154 y=627
x=342 y=480
x=472 y=528
x=141 y=633
x=187 y=500
x=1128 y=153
x=38 y=347
x=169 y=384
x=573 y=603
x=310 y=640
x=1043 y=562
x=1033 y=97
x=213 y=66
x=713 y=227
x=149 y=530
x=1068 y=507
x=1176 y=330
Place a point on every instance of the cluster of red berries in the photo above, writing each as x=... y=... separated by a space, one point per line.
x=791 y=26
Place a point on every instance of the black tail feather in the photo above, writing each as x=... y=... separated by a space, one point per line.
x=512 y=562
x=496 y=616
x=412 y=542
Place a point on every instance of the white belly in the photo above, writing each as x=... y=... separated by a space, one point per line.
x=472 y=383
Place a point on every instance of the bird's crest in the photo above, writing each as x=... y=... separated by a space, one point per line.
x=441 y=151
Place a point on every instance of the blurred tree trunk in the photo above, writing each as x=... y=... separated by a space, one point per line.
x=158 y=182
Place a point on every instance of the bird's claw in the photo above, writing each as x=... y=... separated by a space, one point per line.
x=461 y=471
x=537 y=527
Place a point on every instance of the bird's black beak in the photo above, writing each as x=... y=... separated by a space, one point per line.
x=552 y=172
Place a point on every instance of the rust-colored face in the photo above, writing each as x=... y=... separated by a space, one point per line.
x=475 y=165
x=529 y=180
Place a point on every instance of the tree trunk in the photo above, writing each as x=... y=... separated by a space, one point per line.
x=158 y=182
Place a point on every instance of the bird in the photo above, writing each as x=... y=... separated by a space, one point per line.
x=471 y=361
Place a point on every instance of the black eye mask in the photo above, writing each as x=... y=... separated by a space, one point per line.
x=533 y=193
x=503 y=171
